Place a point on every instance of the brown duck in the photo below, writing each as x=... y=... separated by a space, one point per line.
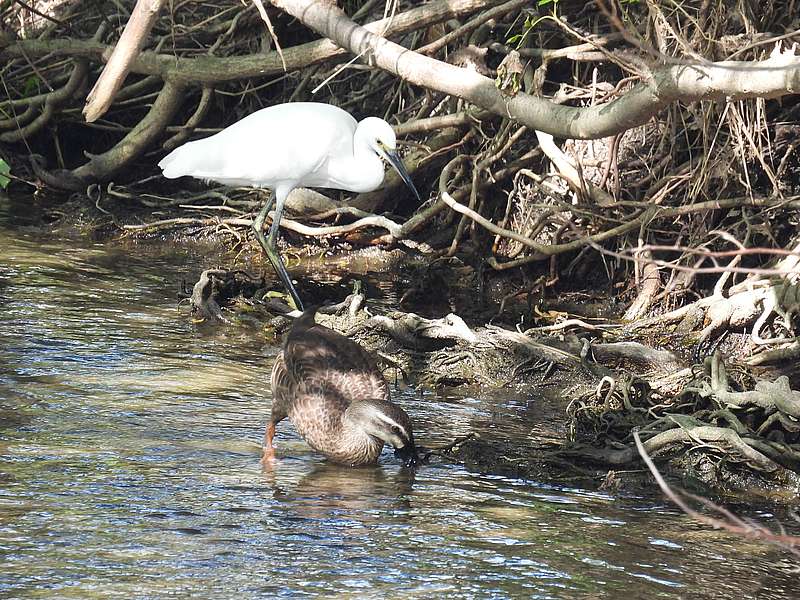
x=337 y=399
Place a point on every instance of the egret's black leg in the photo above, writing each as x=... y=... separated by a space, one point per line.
x=268 y=244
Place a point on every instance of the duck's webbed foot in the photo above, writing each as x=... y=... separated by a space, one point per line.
x=268 y=457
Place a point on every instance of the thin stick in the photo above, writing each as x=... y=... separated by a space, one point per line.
x=731 y=523
x=448 y=448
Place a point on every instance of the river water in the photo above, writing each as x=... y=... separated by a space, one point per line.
x=129 y=467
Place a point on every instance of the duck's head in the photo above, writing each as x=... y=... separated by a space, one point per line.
x=387 y=422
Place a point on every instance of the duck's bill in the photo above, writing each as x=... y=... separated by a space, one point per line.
x=408 y=454
x=398 y=165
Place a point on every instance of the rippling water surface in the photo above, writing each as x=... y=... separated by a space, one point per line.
x=129 y=467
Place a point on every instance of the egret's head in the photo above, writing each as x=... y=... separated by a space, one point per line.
x=380 y=135
x=381 y=138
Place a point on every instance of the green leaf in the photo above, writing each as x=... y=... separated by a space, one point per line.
x=4 y=170
x=30 y=86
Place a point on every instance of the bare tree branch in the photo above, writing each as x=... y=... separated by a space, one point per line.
x=777 y=76
x=204 y=70
x=130 y=44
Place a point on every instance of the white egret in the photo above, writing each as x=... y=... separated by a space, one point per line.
x=301 y=144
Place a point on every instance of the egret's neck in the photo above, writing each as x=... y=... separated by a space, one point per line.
x=361 y=171
x=364 y=170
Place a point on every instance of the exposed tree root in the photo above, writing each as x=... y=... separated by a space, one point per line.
x=757 y=428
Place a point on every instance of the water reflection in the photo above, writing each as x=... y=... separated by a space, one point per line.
x=129 y=467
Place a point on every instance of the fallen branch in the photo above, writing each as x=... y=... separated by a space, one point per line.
x=129 y=45
x=204 y=70
x=730 y=522
x=730 y=80
x=332 y=230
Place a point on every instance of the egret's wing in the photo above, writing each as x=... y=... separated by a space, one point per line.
x=281 y=143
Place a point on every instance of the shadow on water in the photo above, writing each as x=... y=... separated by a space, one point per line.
x=129 y=467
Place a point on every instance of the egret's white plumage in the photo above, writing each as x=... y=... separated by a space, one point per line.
x=302 y=144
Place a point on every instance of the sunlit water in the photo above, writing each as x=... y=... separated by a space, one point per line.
x=129 y=467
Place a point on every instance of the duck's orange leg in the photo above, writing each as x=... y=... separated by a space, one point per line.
x=269 y=449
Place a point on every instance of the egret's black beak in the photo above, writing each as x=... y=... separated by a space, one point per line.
x=394 y=160
x=408 y=454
